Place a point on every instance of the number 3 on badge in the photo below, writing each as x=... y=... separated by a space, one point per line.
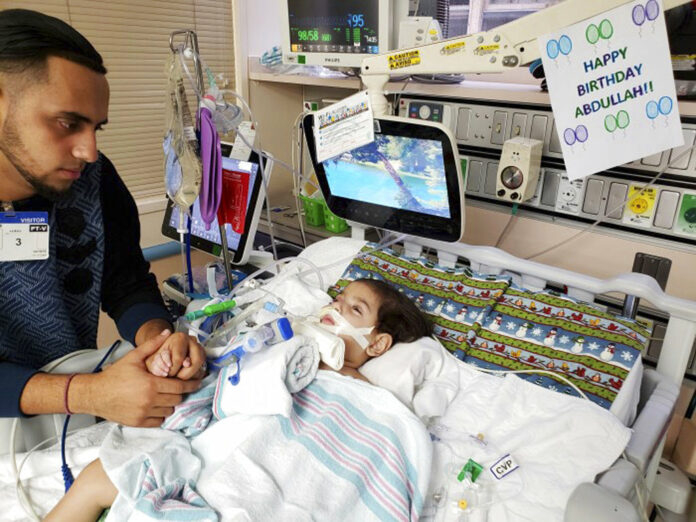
x=24 y=236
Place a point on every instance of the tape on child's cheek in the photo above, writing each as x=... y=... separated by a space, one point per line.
x=341 y=326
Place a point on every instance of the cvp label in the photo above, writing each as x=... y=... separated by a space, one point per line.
x=24 y=236
x=504 y=466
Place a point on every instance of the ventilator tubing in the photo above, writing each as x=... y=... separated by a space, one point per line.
x=341 y=326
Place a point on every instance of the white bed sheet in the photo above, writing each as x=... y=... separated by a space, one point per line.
x=558 y=442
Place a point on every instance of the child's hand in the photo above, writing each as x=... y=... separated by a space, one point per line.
x=160 y=363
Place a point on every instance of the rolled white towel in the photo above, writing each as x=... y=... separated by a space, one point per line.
x=267 y=378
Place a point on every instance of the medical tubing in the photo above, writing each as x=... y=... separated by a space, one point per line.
x=256 y=150
x=261 y=155
x=182 y=229
x=461 y=458
x=625 y=202
x=19 y=489
x=268 y=203
x=277 y=262
x=297 y=150
x=189 y=268
x=65 y=469
x=380 y=246
x=508 y=225
x=561 y=377
x=642 y=504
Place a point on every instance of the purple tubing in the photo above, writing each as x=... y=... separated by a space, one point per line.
x=211 y=162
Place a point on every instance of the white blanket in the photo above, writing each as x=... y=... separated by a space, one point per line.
x=267 y=378
x=557 y=441
x=349 y=451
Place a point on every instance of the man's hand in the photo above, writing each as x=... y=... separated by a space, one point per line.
x=180 y=356
x=127 y=393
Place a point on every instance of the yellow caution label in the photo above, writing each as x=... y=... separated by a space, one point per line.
x=405 y=59
x=452 y=48
x=487 y=49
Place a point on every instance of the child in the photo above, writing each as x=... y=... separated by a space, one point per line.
x=363 y=304
x=375 y=303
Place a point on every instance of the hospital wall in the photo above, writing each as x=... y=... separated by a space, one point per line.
x=277 y=99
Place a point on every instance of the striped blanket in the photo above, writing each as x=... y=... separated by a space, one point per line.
x=349 y=451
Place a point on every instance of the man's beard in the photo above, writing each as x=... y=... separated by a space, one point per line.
x=12 y=148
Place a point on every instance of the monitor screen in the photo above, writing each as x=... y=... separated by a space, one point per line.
x=407 y=180
x=239 y=241
x=395 y=171
x=337 y=33
x=349 y=26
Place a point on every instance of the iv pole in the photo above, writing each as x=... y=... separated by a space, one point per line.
x=191 y=42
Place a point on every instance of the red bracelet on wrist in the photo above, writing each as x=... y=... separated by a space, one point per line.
x=65 y=395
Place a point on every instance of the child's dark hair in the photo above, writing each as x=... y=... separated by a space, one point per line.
x=398 y=315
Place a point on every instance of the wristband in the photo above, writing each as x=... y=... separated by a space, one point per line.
x=65 y=395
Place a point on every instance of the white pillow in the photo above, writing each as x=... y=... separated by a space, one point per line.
x=421 y=374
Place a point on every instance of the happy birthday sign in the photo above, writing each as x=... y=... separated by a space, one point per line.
x=612 y=89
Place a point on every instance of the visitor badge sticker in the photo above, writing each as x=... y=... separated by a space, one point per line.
x=343 y=126
x=23 y=236
x=612 y=89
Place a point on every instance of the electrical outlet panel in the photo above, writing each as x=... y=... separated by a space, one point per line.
x=665 y=210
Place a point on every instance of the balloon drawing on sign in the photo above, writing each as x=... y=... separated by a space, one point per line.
x=592 y=34
x=569 y=136
x=606 y=30
x=578 y=135
x=552 y=49
x=652 y=111
x=561 y=46
x=638 y=15
x=565 y=44
x=581 y=133
x=665 y=105
x=610 y=123
x=652 y=10
x=622 y=119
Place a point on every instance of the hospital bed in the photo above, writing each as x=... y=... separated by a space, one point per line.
x=613 y=495
x=617 y=493
x=609 y=497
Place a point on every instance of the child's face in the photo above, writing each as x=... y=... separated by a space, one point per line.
x=358 y=305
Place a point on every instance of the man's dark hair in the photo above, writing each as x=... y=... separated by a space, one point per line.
x=27 y=38
x=398 y=315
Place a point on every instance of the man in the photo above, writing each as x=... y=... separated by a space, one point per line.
x=53 y=99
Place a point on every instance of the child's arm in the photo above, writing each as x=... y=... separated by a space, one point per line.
x=91 y=493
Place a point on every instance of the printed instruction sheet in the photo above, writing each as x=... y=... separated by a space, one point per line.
x=343 y=126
